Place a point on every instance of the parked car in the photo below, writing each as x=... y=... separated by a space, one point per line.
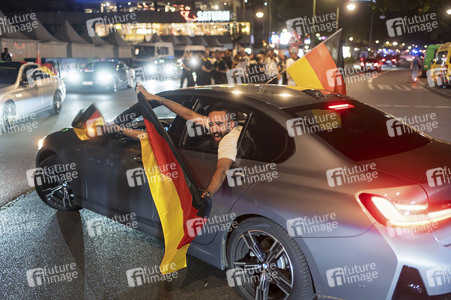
x=431 y=51
x=109 y=75
x=26 y=88
x=370 y=65
x=341 y=218
x=441 y=66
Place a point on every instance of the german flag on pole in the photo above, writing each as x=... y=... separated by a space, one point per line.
x=89 y=123
x=178 y=199
x=321 y=68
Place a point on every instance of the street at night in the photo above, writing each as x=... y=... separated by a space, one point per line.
x=317 y=165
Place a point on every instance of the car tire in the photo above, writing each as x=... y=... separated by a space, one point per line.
x=289 y=275
x=9 y=116
x=58 y=194
x=57 y=103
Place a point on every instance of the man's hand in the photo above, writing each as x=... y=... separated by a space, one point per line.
x=218 y=177
x=147 y=95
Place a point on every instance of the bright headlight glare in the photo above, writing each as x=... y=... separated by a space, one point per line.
x=104 y=77
x=40 y=143
x=151 y=69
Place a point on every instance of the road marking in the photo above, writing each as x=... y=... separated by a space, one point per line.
x=384 y=87
x=422 y=106
x=370 y=84
x=384 y=105
x=401 y=105
x=442 y=106
x=415 y=106
x=402 y=88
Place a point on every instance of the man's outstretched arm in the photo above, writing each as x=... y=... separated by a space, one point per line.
x=219 y=175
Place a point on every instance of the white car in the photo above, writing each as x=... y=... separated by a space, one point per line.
x=26 y=88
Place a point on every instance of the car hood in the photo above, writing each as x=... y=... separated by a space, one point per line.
x=6 y=87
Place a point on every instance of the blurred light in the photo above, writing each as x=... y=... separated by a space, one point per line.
x=307 y=42
x=285 y=95
x=377 y=41
x=266 y=3
x=351 y=38
x=104 y=77
x=40 y=143
x=351 y=6
x=395 y=43
x=259 y=15
x=346 y=51
x=216 y=7
x=151 y=69
x=317 y=35
x=387 y=42
x=248 y=50
x=129 y=3
x=448 y=11
x=356 y=49
x=285 y=37
x=237 y=92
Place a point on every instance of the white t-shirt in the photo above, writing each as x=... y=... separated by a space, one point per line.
x=290 y=62
x=228 y=145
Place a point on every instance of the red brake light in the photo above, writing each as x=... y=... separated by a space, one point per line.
x=389 y=213
x=393 y=59
x=340 y=106
x=383 y=59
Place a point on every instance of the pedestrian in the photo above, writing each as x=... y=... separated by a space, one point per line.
x=271 y=63
x=220 y=69
x=293 y=58
x=241 y=59
x=187 y=72
x=415 y=65
x=228 y=58
x=256 y=71
x=6 y=56
x=204 y=74
x=282 y=67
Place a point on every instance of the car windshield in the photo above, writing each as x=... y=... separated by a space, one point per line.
x=145 y=51
x=8 y=75
x=100 y=65
x=441 y=57
x=363 y=132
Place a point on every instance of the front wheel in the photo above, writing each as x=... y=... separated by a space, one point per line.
x=57 y=103
x=266 y=263
x=9 y=117
x=53 y=180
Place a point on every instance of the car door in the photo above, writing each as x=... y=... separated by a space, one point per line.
x=27 y=97
x=46 y=85
x=201 y=162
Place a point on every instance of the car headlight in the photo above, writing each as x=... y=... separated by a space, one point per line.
x=104 y=77
x=41 y=143
x=74 y=76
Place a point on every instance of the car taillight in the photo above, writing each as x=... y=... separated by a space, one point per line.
x=362 y=63
x=383 y=59
x=394 y=60
x=376 y=64
x=340 y=106
x=393 y=214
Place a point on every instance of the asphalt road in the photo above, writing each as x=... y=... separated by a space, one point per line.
x=32 y=235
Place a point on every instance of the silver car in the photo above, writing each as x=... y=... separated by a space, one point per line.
x=24 y=89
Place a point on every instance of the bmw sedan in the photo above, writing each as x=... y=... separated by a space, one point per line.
x=109 y=75
x=328 y=198
x=26 y=88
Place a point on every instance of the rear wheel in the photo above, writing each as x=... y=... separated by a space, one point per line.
x=266 y=263
x=57 y=103
x=53 y=185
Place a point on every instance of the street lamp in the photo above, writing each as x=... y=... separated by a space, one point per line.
x=350 y=6
x=448 y=11
x=259 y=15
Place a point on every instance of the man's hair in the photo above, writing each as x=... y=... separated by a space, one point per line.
x=228 y=110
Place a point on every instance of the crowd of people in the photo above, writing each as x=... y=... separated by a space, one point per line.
x=221 y=68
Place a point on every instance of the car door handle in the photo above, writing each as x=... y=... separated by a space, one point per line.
x=138 y=158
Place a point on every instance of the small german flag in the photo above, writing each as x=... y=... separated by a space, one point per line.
x=178 y=199
x=321 y=68
x=89 y=123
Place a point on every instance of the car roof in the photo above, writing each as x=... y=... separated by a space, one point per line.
x=16 y=64
x=278 y=96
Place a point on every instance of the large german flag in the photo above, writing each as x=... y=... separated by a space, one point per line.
x=322 y=67
x=177 y=199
